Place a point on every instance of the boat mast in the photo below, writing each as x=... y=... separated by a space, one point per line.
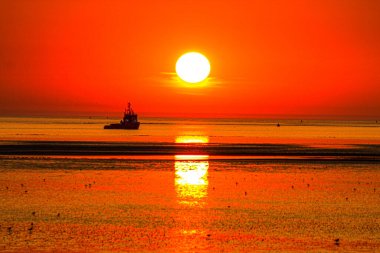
x=130 y=110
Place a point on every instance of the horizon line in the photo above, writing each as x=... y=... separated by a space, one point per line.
x=198 y=116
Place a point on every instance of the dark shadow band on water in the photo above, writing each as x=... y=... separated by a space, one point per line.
x=355 y=152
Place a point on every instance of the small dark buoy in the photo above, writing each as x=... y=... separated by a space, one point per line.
x=278 y=124
x=337 y=241
x=9 y=230
x=26 y=191
x=229 y=206
x=354 y=189
x=34 y=213
x=59 y=215
x=7 y=187
x=208 y=235
x=292 y=186
x=346 y=199
x=308 y=185
x=245 y=193
x=236 y=183
x=213 y=188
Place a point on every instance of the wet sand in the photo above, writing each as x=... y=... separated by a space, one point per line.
x=78 y=204
x=349 y=152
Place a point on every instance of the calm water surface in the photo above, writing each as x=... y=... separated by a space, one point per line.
x=188 y=202
x=198 y=130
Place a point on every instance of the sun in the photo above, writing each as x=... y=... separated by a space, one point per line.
x=193 y=67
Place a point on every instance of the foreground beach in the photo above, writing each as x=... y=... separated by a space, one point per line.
x=187 y=204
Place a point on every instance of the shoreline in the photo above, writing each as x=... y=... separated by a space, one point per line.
x=350 y=152
x=196 y=158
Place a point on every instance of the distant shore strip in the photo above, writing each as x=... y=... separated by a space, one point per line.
x=357 y=152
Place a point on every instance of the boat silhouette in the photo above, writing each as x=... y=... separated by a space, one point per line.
x=129 y=120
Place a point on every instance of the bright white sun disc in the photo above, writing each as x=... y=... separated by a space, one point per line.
x=193 y=67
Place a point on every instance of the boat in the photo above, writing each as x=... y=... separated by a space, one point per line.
x=129 y=120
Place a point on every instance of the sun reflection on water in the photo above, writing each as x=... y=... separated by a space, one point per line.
x=192 y=139
x=191 y=180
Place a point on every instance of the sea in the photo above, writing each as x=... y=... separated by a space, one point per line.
x=175 y=130
x=174 y=136
x=189 y=185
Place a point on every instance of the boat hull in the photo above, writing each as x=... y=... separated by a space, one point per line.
x=131 y=125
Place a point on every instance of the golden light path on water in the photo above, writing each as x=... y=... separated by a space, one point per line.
x=191 y=180
x=191 y=139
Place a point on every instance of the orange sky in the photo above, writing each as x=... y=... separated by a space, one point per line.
x=277 y=58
